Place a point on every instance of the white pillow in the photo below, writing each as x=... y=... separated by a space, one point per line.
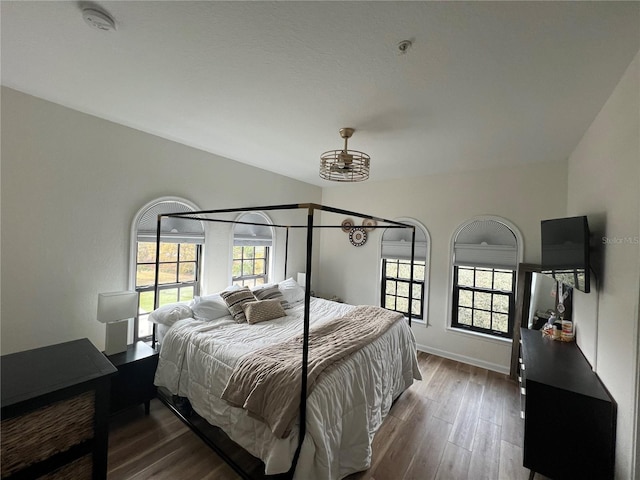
x=255 y=288
x=292 y=292
x=210 y=308
x=171 y=313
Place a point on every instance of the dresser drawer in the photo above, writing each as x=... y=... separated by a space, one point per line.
x=41 y=433
x=80 y=469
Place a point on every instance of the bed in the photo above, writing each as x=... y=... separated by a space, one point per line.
x=331 y=433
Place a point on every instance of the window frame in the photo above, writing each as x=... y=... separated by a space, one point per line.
x=424 y=307
x=453 y=299
x=411 y=282
x=269 y=249
x=455 y=323
x=133 y=332
x=240 y=280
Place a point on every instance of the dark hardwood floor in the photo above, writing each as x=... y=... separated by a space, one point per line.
x=459 y=422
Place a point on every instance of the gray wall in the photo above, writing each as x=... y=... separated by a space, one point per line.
x=523 y=195
x=71 y=185
x=604 y=180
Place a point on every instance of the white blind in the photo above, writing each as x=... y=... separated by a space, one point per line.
x=252 y=235
x=396 y=243
x=486 y=243
x=174 y=230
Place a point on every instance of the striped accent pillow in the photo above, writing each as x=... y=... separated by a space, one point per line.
x=263 y=310
x=269 y=293
x=235 y=299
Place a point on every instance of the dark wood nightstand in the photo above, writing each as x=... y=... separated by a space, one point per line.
x=133 y=384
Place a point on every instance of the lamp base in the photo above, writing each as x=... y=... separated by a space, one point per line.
x=116 y=339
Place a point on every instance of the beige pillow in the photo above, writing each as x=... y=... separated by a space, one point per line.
x=263 y=310
x=235 y=300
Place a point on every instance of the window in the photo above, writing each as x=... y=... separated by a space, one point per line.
x=486 y=254
x=252 y=245
x=181 y=243
x=484 y=299
x=396 y=270
x=250 y=265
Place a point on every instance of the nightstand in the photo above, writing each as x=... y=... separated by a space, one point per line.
x=133 y=384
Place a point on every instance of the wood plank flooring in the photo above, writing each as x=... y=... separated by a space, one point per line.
x=459 y=422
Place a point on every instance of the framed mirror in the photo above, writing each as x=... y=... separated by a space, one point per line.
x=536 y=297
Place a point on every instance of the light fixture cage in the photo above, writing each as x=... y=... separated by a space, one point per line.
x=344 y=165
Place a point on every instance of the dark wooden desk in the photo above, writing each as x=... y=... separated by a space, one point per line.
x=55 y=403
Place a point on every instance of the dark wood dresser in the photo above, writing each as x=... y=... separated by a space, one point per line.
x=55 y=407
x=569 y=417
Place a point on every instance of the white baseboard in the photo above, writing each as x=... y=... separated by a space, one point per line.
x=464 y=359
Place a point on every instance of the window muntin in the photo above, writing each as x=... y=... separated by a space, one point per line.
x=396 y=281
x=250 y=265
x=178 y=278
x=483 y=300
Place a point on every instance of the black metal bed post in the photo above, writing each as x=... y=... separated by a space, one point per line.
x=286 y=252
x=411 y=267
x=302 y=427
x=156 y=292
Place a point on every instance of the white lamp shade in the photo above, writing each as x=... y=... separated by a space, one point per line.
x=116 y=306
x=302 y=279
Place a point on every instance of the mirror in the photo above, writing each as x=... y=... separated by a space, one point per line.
x=536 y=295
x=542 y=302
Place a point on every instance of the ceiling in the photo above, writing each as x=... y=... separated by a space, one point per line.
x=485 y=84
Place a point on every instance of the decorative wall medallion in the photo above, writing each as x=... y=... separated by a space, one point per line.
x=357 y=236
x=347 y=225
x=369 y=224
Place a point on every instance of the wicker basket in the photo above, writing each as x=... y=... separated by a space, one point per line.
x=52 y=429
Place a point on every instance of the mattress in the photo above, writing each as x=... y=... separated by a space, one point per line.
x=344 y=410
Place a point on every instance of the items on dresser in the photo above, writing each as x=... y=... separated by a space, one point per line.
x=55 y=405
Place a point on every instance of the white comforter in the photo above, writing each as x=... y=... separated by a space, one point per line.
x=344 y=410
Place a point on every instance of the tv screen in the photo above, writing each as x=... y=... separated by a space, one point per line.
x=565 y=251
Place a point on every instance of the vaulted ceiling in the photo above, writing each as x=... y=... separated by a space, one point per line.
x=484 y=84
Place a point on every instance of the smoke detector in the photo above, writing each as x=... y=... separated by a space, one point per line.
x=98 y=19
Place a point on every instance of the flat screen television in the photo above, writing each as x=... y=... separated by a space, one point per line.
x=565 y=251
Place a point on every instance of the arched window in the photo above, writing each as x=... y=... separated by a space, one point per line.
x=252 y=249
x=486 y=253
x=181 y=242
x=396 y=263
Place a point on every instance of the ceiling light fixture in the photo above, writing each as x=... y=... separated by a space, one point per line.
x=98 y=19
x=344 y=165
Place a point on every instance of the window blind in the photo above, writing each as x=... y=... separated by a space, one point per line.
x=396 y=243
x=252 y=235
x=486 y=243
x=174 y=230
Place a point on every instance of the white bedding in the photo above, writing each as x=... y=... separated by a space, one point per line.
x=343 y=411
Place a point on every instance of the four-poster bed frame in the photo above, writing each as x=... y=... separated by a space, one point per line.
x=310 y=226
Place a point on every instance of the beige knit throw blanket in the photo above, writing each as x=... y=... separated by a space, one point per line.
x=267 y=382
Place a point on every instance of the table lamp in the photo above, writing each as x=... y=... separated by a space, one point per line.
x=114 y=308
